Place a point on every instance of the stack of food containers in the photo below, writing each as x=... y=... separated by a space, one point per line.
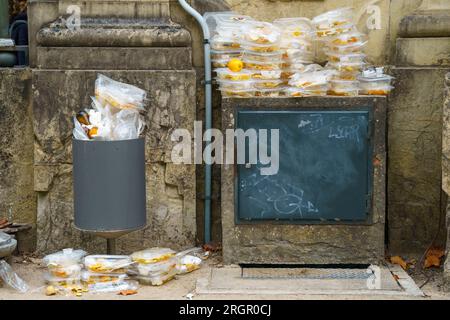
x=106 y=272
x=263 y=57
x=297 y=45
x=313 y=81
x=344 y=49
x=225 y=42
x=374 y=82
x=154 y=266
x=64 y=267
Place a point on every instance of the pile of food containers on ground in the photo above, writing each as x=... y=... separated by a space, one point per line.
x=260 y=59
x=71 y=271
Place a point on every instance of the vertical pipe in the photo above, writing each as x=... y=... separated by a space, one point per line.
x=208 y=113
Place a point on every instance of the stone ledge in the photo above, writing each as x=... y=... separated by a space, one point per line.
x=103 y=58
x=423 y=52
x=426 y=24
x=115 y=33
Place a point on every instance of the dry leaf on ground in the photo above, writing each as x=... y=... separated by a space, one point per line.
x=127 y=292
x=399 y=261
x=433 y=258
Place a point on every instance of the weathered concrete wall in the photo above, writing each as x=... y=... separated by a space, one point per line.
x=414 y=141
x=17 y=198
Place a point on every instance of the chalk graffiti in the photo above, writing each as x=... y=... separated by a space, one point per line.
x=271 y=196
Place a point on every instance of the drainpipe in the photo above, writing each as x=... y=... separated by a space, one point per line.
x=208 y=113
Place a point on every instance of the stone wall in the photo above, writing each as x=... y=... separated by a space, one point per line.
x=17 y=198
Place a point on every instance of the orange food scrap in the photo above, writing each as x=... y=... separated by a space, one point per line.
x=433 y=258
x=399 y=261
x=127 y=292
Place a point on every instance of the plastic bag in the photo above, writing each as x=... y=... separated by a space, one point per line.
x=261 y=32
x=152 y=255
x=119 y=95
x=11 y=278
x=64 y=258
x=129 y=125
x=187 y=264
x=157 y=279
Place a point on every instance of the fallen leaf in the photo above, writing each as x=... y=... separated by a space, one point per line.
x=51 y=291
x=127 y=292
x=399 y=261
x=212 y=247
x=433 y=258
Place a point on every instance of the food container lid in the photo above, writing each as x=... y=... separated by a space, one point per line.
x=234 y=51
x=109 y=261
x=345 y=37
x=345 y=82
x=248 y=45
x=343 y=55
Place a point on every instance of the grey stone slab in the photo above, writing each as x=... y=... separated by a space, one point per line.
x=423 y=52
x=229 y=280
x=266 y=243
x=109 y=58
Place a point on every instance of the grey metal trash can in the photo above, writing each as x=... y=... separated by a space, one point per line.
x=109 y=186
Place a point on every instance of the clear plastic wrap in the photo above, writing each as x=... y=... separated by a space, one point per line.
x=115 y=286
x=93 y=277
x=262 y=66
x=266 y=75
x=295 y=27
x=227 y=74
x=225 y=55
x=260 y=32
x=152 y=255
x=156 y=268
x=311 y=79
x=107 y=263
x=64 y=258
x=236 y=85
x=345 y=58
x=267 y=57
x=11 y=279
x=343 y=88
x=119 y=95
x=60 y=281
x=72 y=271
x=334 y=22
x=157 y=279
x=219 y=43
x=238 y=94
x=268 y=84
x=269 y=93
x=187 y=264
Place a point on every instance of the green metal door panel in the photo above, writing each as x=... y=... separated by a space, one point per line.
x=325 y=171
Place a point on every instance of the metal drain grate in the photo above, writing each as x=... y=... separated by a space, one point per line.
x=305 y=273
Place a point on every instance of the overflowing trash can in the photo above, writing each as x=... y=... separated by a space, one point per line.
x=109 y=161
x=109 y=186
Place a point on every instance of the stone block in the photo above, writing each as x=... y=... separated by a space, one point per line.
x=423 y=52
x=414 y=168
